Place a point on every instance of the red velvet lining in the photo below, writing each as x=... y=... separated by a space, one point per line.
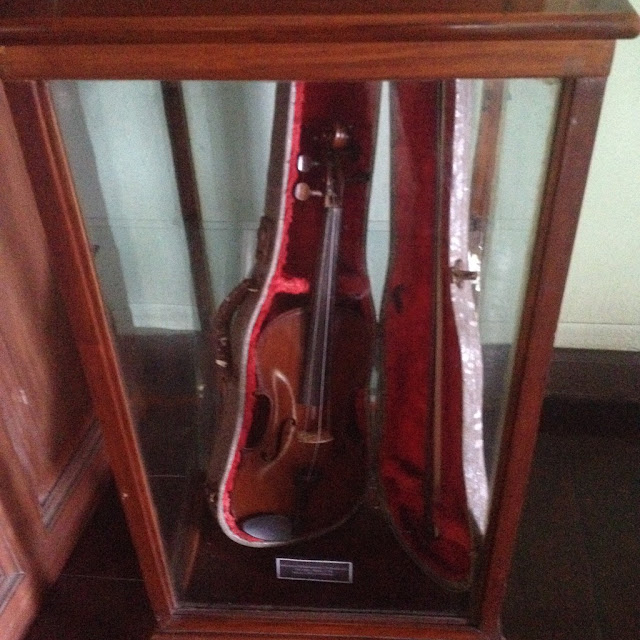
x=408 y=310
x=317 y=108
x=408 y=349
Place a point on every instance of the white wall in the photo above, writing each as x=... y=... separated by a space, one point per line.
x=528 y=120
x=120 y=153
x=601 y=307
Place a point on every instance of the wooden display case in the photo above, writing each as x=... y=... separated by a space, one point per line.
x=154 y=387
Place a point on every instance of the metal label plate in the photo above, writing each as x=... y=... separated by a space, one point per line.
x=314 y=570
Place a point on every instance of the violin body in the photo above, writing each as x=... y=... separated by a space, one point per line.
x=302 y=465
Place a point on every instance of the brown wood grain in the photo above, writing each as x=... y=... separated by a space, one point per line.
x=271 y=40
x=554 y=573
x=36 y=344
x=295 y=626
x=310 y=61
x=19 y=586
x=245 y=21
x=46 y=406
x=73 y=263
x=51 y=461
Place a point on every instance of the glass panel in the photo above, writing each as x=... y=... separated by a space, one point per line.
x=523 y=113
x=204 y=254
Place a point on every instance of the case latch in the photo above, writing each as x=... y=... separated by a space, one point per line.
x=459 y=275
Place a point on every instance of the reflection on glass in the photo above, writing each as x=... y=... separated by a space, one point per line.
x=378 y=220
x=515 y=158
x=120 y=151
x=119 y=148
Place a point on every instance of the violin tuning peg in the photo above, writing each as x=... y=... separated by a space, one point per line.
x=305 y=163
x=302 y=191
x=341 y=137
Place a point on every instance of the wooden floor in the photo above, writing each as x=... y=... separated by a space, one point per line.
x=576 y=574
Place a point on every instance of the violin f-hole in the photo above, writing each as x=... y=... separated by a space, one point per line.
x=269 y=454
x=261 y=413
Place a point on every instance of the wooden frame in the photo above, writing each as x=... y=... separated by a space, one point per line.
x=355 y=44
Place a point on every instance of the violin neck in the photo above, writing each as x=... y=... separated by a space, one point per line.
x=319 y=331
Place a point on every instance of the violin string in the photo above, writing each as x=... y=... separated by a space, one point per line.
x=323 y=310
x=329 y=276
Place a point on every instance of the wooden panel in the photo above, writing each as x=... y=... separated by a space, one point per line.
x=51 y=461
x=11 y=573
x=303 y=626
x=20 y=586
x=46 y=403
x=122 y=21
x=18 y=601
x=62 y=220
x=312 y=61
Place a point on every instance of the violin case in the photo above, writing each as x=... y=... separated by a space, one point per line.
x=414 y=403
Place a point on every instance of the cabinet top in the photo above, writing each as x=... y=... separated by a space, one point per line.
x=61 y=22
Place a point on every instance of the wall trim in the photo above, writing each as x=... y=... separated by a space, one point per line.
x=595 y=374
x=614 y=337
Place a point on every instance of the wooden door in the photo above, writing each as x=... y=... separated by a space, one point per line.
x=51 y=460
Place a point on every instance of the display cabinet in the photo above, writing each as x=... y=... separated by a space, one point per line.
x=313 y=257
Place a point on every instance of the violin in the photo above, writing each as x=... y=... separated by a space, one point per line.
x=303 y=470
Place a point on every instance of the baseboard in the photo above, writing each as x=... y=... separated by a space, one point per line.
x=594 y=374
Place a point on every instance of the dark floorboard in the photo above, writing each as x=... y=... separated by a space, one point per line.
x=100 y=594
x=576 y=573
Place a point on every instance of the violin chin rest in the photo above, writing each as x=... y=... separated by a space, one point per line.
x=270 y=527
